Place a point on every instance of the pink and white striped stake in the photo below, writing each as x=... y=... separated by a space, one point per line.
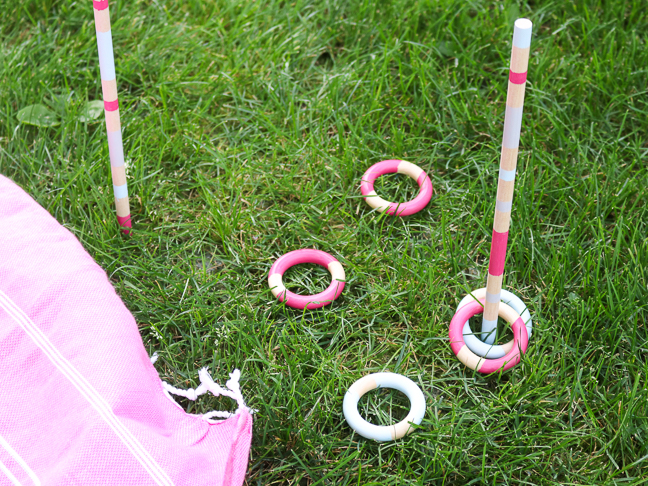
x=508 y=162
x=111 y=109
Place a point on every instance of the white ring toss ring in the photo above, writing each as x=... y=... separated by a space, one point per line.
x=383 y=380
x=494 y=351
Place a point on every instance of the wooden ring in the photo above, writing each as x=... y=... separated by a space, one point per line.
x=402 y=167
x=472 y=340
x=485 y=365
x=275 y=279
x=383 y=380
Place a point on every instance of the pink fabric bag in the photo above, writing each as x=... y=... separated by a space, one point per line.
x=80 y=401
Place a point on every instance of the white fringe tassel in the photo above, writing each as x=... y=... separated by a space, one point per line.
x=207 y=384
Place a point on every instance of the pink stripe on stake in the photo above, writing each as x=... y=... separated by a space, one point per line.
x=111 y=105
x=100 y=4
x=125 y=222
x=498 y=254
x=517 y=78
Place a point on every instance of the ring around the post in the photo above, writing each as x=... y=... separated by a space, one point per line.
x=485 y=365
x=472 y=340
x=383 y=380
x=275 y=279
x=402 y=167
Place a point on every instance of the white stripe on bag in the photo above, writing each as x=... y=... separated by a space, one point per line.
x=11 y=477
x=87 y=390
x=20 y=461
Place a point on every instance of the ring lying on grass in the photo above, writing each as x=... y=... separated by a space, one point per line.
x=472 y=340
x=306 y=301
x=402 y=167
x=383 y=380
x=477 y=363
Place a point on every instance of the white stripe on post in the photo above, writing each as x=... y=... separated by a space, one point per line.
x=503 y=207
x=106 y=56
x=512 y=126
x=492 y=298
x=507 y=175
x=121 y=191
x=116 y=148
x=488 y=331
x=522 y=33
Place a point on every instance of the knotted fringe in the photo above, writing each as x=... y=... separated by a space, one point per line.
x=207 y=384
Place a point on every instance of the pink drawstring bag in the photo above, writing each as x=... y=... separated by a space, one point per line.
x=80 y=400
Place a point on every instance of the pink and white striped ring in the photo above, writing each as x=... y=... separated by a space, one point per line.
x=402 y=167
x=306 y=301
x=477 y=363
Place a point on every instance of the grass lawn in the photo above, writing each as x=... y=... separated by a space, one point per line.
x=247 y=126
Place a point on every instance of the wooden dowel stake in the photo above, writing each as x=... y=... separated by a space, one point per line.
x=111 y=110
x=508 y=163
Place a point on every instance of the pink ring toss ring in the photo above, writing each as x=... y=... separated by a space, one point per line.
x=278 y=289
x=402 y=167
x=477 y=363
